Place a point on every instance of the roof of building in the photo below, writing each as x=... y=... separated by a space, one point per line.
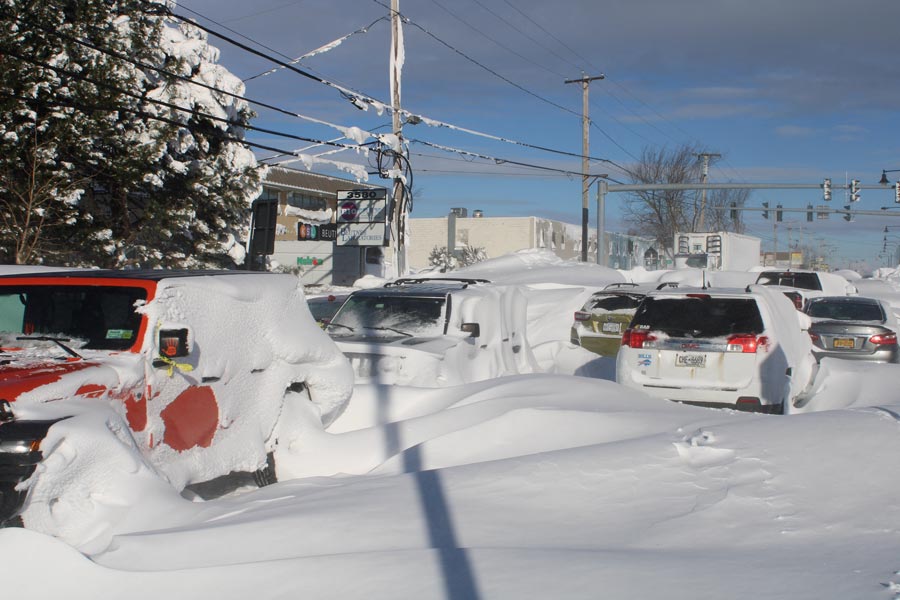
x=306 y=181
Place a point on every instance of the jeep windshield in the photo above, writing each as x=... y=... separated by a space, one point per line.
x=699 y=316
x=388 y=316
x=92 y=317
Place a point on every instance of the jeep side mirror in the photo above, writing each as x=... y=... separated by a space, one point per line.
x=173 y=343
x=473 y=329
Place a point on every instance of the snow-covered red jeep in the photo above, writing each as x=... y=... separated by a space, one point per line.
x=196 y=374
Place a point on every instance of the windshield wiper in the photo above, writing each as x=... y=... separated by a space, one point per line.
x=389 y=329
x=57 y=341
x=339 y=325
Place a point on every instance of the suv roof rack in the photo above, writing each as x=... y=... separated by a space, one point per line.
x=620 y=284
x=414 y=280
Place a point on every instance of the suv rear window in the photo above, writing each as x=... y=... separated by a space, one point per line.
x=615 y=302
x=699 y=317
x=804 y=281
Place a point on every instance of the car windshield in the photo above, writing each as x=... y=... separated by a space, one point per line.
x=388 y=316
x=101 y=317
x=699 y=317
x=846 y=311
x=804 y=281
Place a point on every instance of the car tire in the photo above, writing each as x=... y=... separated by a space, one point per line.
x=266 y=475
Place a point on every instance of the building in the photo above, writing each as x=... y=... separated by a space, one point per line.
x=502 y=235
x=306 y=202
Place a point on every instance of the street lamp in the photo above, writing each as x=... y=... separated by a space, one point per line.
x=884 y=172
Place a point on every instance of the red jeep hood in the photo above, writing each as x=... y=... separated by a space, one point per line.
x=22 y=376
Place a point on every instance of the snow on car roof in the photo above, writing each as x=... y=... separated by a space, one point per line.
x=143 y=274
x=432 y=288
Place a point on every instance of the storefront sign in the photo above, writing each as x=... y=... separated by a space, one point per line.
x=361 y=234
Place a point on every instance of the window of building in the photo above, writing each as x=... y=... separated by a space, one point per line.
x=306 y=202
x=268 y=194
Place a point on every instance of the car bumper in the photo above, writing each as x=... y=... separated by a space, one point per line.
x=891 y=356
x=19 y=456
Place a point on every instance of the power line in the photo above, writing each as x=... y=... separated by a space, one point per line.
x=479 y=64
x=411 y=117
x=102 y=84
x=498 y=161
x=493 y=39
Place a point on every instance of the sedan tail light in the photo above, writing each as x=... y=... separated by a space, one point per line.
x=581 y=315
x=884 y=339
x=637 y=338
x=746 y=343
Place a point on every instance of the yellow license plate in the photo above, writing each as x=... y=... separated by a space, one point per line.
x=843 y=343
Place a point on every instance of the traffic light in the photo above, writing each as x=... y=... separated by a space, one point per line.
x=734 y=212
x=809 y=212
x=826 y=190
x=765 y=212
x=854 y=190
x=778 y=213
x=897 y=192
x=847 y=215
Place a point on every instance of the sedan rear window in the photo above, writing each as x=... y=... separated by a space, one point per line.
x=699 y=317
x=846 y=311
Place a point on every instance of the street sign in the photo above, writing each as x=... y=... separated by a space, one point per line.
x=361 y=234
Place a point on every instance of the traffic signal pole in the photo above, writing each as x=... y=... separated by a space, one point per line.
x=853 y=187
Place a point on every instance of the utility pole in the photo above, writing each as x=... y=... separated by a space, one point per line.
x=704 y=175
x=398 y=195
x=585 y=184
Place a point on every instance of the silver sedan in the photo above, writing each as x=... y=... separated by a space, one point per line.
x=852 y=327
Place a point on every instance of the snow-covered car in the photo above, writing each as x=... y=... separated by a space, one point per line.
x=801 y=285
x=198 y=373
x=323 y=308
x=598 y=326
x=737 y=348
x=853 y=327
x=434 y=332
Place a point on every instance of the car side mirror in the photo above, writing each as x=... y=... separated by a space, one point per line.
x=173 y=343
x=473 y=329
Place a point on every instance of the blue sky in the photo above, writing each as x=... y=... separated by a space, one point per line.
x=788 y=92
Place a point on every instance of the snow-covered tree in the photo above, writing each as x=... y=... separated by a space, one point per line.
x=96 y=165
x=441 y=258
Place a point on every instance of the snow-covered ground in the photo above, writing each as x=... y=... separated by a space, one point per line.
x=530 y=486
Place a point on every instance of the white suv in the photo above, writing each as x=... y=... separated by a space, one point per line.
x=734 y=348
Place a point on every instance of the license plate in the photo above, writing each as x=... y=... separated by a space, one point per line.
x=690 y=360
x=611 y=327
x=843 y=343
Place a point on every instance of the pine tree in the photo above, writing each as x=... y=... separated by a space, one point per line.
x=94 y=169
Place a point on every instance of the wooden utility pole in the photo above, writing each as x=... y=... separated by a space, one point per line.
x=585 y=184
x=398 y=196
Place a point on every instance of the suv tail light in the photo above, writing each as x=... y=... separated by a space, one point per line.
x=885 y=339
x=637 y=338
x=581 y=315
x=746 y=343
